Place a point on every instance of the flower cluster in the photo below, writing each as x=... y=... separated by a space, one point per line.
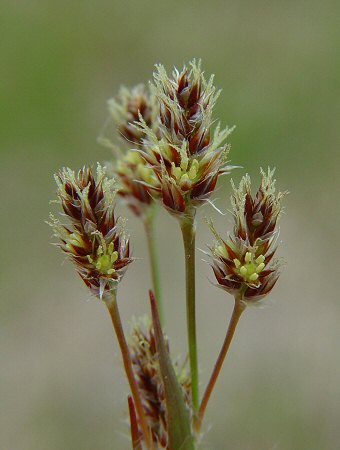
x=186 y=156
x=135 y=179
x=171 y=152
x=92 y=239
x=126 y=108
x=146 y=367
x=245 y=263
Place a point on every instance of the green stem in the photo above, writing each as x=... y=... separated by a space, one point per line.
x=112 y=307
x=188 y=232
x=239 y=307
x=155 y=273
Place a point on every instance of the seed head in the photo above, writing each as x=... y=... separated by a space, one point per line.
x=146 y=367
x=186 y=156
x=256 y=217
x=126 y=108
x=91 y=239
x=186 y=105
x=136 y=180
x=245 y=261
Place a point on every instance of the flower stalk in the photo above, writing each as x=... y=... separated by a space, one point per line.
x=188 y=228
x=239 y=307
x=149 y=222
x=112 y=306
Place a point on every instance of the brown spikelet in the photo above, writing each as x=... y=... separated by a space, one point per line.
x=186 y=155
x=186 y=103
x=137 y=180
x=245 y=261
x=126 y=108
x=146 y=368
x=92 y=239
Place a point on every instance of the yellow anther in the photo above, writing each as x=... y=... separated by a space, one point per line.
x=260 y=259
x=184 y=162
x=100 y=262
x=193 y=169
x=251 y=269
x=243 y=271
x=253 y=277
x=106 y=257
x=237 y=263
x=176 y=171
x=248 y=257
x=260 y=267
x=104 y=264
x=114 y=257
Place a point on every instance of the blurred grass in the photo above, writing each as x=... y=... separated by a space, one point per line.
x=278 y=65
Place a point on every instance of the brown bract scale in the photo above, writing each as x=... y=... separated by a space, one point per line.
x=186 y=156
x=244 y=263
x=146 y=367
x=92 y=239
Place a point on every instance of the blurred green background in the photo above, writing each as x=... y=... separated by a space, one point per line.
x=61 y=382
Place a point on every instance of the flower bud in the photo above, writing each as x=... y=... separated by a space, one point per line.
x=126 y=108
x=256 y=217
x=244 y=262
x=186 y=156
x=145 y=363
x=92 y=239
x=137 y=181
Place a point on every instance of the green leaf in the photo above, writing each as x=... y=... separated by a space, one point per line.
x=179 y=429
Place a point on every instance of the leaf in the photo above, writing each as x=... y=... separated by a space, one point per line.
x=179 y=429
x=135 y=434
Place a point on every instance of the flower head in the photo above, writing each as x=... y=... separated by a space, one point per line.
x=144 y=357
x=256 y=217
x=137 y=182
x=186 y=156
x=126 y=108
x=244 y=262
x=92 y=239
x=186 y=105
x=136 y=179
